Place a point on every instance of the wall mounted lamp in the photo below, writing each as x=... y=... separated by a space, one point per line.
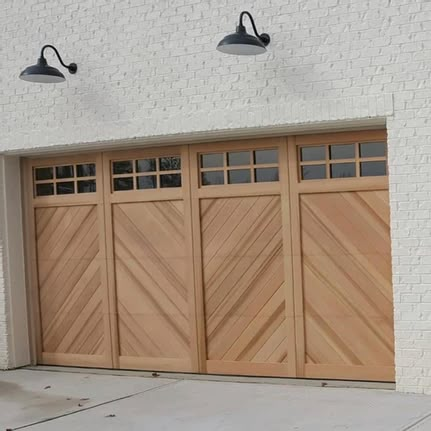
x=242 y=43
x=42 y=72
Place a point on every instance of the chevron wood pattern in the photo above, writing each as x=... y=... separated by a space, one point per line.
x=197 y=278
x=152 y=296
x=347 y=280
x=243 y=282
x=69 y=272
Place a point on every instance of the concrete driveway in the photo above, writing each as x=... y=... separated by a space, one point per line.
x=47 y=400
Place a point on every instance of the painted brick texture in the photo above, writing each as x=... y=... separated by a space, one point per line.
x=149 y=68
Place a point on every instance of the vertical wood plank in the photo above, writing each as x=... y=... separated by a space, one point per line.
x=295 y=226
x=190 y=277
x=110 y=261
x=287 y=257
x=197 y=259
x=103 y=260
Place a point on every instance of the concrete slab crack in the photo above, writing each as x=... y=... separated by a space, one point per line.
x=420 y=421
x=53 y=418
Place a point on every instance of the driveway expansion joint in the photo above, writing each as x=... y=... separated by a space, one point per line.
x=92 y=407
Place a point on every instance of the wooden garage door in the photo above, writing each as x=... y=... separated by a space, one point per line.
x=258 y=257
x=245 y=279
x=71 y=309
x=149 y=211
x=342 y=257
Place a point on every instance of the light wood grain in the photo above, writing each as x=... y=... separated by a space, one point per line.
x=295 y=229
x=197 y=261
x=155 y=364
x=374 y=373
x=243 y=273
x=347 y=279
x=288 y=261
x=70 y=279
x=151 y=272
x=247 y=368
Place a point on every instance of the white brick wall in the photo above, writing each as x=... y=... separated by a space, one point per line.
x=149 y=69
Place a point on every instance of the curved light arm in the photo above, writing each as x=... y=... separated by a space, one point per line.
x=72 y=67
x=264 y=37
x=241 y=18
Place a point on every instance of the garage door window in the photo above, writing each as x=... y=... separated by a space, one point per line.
x=353 y=160
x=64 y=179
x=144 y=174
x=239 y=167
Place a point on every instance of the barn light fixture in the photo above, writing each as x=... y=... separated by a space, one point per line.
x=242 y=43
x=42 y=72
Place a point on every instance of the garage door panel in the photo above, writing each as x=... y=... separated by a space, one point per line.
x=247 y=298
x=250 y=242
x=152 y=293
x=344 y=214
x=258 y=330
x=70 y=268
x=157 y=221
x=347 y=280
x=337 y=272
x=346 y=340
x=244 y=283
x=142 y=301
x=165 y=274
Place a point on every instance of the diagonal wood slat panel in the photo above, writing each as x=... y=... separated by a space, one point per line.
x=69 y=273
x=347 y=278
x=244 y=279
x=151 y=263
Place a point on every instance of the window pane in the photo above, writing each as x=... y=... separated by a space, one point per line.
x=44 y=189
x=124 y=167
x=309 y=154
x=86 y=170
x=170 y=163
x=44 y=174
x=64 y=172
x=313 y=172
x=123 y=184
x=263 y=175
x=239 y=176
x=146 y=165
x=212 y=178
x=87 y=186
x=343 y=170
x=149 y=182
x=265 y=156
x=372 y=149
x=236 y=158
x=65 y=188
x=373 y=169
x=173 y=180
x=211 y=160
x=342 y=151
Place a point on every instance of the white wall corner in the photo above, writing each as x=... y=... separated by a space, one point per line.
x=14 y=334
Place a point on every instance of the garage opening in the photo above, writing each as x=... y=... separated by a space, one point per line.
x=264 y=257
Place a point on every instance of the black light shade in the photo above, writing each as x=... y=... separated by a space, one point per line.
x=243 y=43
x=43 y=73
